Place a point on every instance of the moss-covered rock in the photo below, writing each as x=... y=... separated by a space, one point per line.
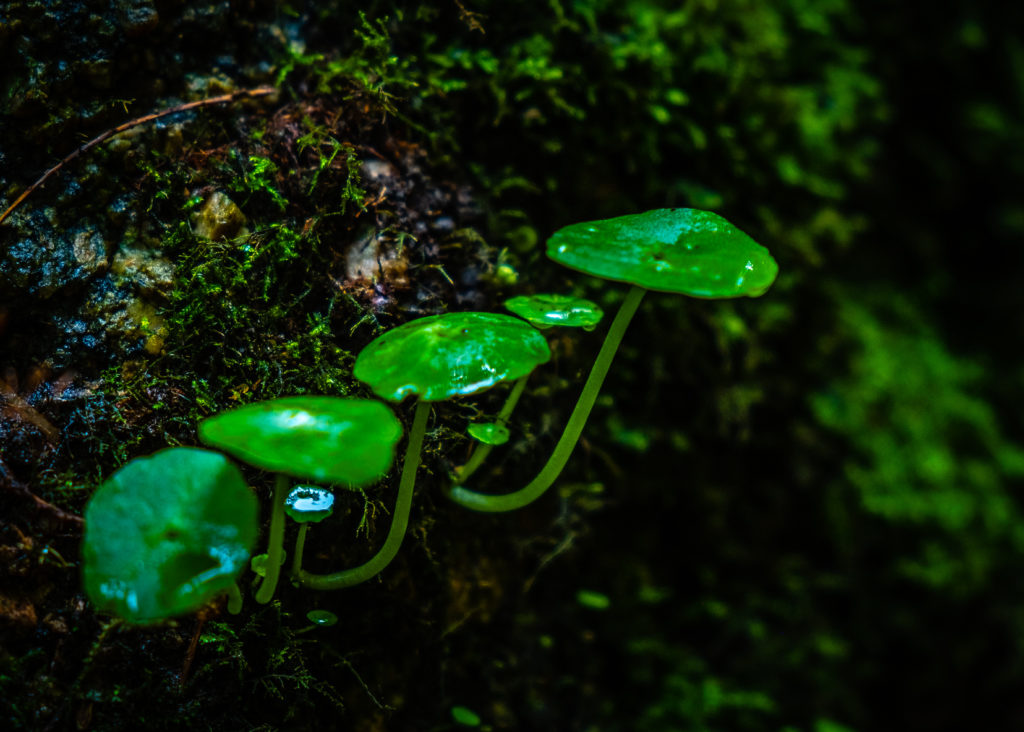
x=798 y=511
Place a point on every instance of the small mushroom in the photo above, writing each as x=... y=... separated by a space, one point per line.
x=545 y=311
x=489 y=433
x=436 y=358
x=321 y=438
x=541 y=311
x=682 y=250
x=306 y=504
x=166 y=533
x=322 y=618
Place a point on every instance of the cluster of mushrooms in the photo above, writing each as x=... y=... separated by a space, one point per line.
x=147 y=559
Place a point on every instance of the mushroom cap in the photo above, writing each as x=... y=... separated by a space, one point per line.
x=309 y=504
x=322 y=617
x=166 y=533
x=320 y=438
x=546 y=310
x=489 y=433
x=681 y=250
x=442 y=356
x=258 y=564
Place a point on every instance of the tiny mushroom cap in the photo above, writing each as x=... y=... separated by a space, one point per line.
x=166 y=533
x=489 y=433
x=309 y=504
x=321 y=438
x=681 y=250
x=565 y=310
x=258 y=564
x=322 y=617
x=442 y=356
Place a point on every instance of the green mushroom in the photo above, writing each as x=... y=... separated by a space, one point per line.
x=305 y=505
x=322 y=618
x=489 y=433
x=436 y=358
x=542 y=311
x=166 y=533
x=685 y=251
x=320 y=438
x=545 y=310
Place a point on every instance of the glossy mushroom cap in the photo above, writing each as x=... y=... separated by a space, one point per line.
x=320 y=438
x=681 y=250
x=489 y=433
x=442 y=356
x=544 y=311
x=166 y=533
x=309 y=504
x=322 y=617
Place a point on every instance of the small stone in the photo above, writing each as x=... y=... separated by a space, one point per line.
x=219 y=218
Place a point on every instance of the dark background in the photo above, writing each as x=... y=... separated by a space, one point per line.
x=802 y=509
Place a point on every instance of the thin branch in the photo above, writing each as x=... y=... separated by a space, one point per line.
x=261 y=91
x=11 y=485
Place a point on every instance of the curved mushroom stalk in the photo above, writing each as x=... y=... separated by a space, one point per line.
x=494 y=503
x=686 y=251
x=543 y=311
x=399 y=520
x=299 y=437
x=437 y=357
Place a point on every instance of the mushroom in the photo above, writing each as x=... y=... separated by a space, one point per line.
x=305 y=505
x=166 y=533
x=545 y=310
x=542 y=311
x=489 y=433
x=322 y=618
x=436 y=358
x=321 y=438
x=682 y=250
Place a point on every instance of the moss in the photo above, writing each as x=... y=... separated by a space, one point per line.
x=930 y=454
x=416 y=158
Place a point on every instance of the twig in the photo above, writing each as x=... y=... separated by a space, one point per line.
x=9 y=484
x=261 y=91
x=191 y=653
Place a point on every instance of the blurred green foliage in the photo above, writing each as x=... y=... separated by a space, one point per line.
x=927 y=450
x=816 y=513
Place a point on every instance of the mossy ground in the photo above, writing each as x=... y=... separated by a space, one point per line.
x=790 y=513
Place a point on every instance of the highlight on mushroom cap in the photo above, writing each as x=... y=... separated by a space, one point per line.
x=321 y=438
x=309 y=504
x=443 y=356
x=681 y=250
x=546 y=310
x=489 y=433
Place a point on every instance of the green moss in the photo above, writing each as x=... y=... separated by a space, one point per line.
x=930 y=453
x=252 y=296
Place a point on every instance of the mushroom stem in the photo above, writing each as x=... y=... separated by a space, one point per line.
x=275 y=542
x=399 y=522
x=234 y=599
x=553 y=468
x=482 y=451
x=300 y=545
